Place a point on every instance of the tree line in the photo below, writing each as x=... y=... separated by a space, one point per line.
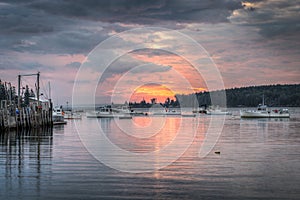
x=274 y=95
x=8 y=93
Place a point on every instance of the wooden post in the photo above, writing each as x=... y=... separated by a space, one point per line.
x=10 y=94
x=50 y=112
x=38 y=88
x=50 y=106
x=19 y=92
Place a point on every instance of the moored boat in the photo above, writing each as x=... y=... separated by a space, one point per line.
x=263 y=111
x=217 y=111
x=167 y=112
x=277 y=113
x=211 y=110
x=107 y=112
x=72 y=115
x=128 y=110
x=58 y=116
x=188 y=114
x=200 y=111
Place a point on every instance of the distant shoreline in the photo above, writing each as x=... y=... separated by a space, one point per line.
x=275 y=96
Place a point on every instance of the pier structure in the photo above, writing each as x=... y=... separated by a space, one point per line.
x=23 y=111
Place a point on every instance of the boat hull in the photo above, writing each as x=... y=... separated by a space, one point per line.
x=58 y=117
x=188 y=115
x=251 y=114
x=108 y=115
x=72 y=116
x=264 y=112
x=218 y=113
x=167 y=114
x=59 y=123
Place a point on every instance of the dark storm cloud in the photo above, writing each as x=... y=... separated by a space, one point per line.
x=31 y=16
x=273 y=18
x=27 y=29
x=76 y=26
x=139 y=11
x=23 y=29
x=16 y=19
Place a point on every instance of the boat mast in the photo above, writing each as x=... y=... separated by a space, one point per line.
x=49 y=90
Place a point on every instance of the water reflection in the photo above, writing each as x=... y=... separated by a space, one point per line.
x=136 y=138
x=25 y=156
x=265 y=129
x=259 y=159
x=118 y=141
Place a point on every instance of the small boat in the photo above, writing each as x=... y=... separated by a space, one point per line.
x=72 y=115
x=128 y=110
x=263 y=111
x=58 y=116
x=211 y=110
x=166 y=111
x=124 y=117
x=200 y=111
x=188 y=115
x=107 y=112
x=216 y=111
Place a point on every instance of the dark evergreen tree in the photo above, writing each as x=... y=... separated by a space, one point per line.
x=26 y=96
x=2 y=91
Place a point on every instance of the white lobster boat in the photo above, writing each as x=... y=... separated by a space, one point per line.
x=217 y=111
x=107 y=112
x=58 y=116
x=72 y=115
x=167 y=112
x=128 y=111
x=264 y=112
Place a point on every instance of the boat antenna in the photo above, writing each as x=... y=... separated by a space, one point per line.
x=263 y=103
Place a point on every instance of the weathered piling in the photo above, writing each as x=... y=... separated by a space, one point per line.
x=24 y=119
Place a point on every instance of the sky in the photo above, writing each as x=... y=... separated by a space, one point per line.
x=244 y=42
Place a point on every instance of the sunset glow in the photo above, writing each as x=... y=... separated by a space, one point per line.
x=141 y=99
x=250 y=42
x=148 y=92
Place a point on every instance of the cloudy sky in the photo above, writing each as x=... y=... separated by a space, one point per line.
x=250 y=42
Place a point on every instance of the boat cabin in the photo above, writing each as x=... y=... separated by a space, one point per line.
x=262 y=107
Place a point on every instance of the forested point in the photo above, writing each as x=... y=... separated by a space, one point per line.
x=274 y=95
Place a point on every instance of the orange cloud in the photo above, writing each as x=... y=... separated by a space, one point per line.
x=184 y=68
x=169 y=75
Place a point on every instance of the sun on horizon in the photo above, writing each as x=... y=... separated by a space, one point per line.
x=158 y=92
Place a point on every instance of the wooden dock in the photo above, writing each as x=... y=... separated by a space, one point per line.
x=25 y=119
x=23 y=111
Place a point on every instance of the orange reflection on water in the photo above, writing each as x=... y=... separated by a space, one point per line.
x=160 y=131
x=142 y=121
x=167 y=133
x=172 y=144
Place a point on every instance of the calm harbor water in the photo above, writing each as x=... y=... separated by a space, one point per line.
x=259 y=159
